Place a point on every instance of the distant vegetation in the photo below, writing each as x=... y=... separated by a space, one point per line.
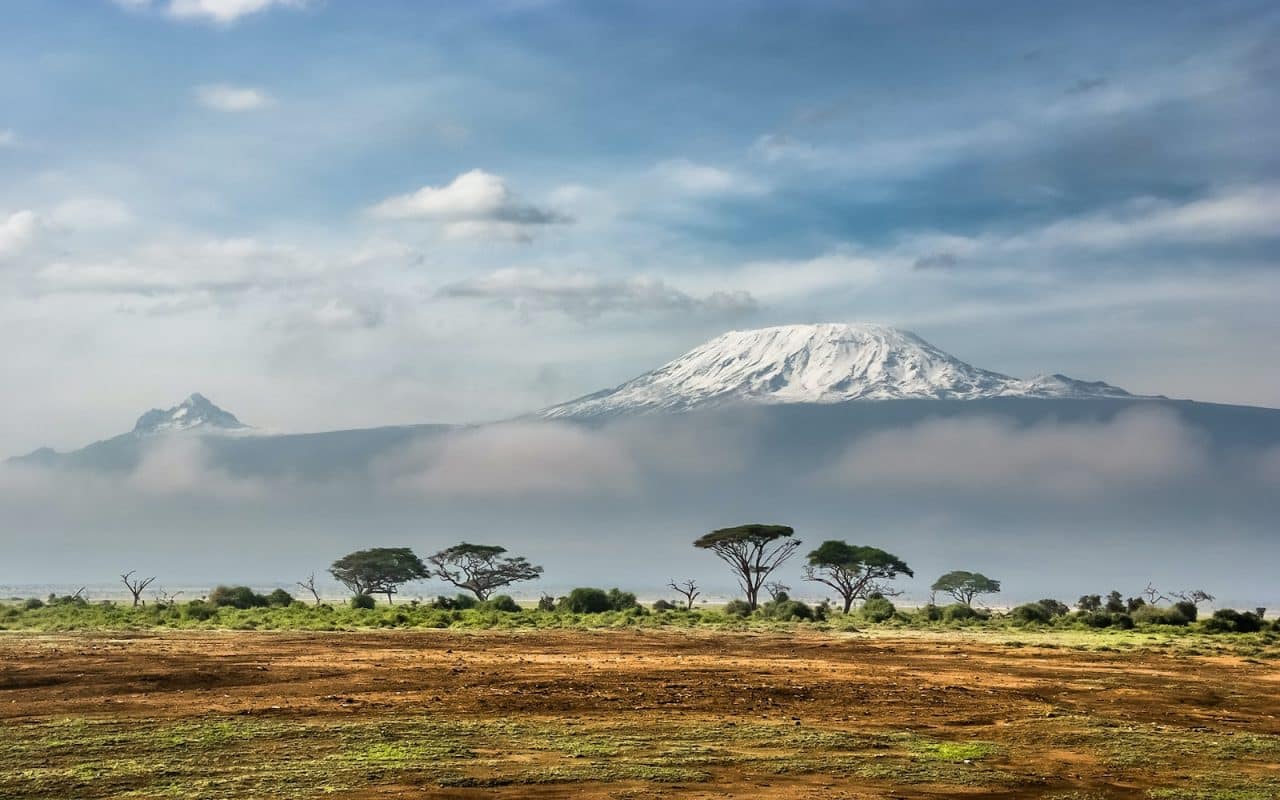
x=862 y=576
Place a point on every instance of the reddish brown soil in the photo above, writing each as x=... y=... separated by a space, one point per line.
x=947 y=689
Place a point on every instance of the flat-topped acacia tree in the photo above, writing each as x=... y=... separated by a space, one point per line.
x=964 y=586
x=481 y=568
x=379 y=570
x=854 y=571
x=752 y=552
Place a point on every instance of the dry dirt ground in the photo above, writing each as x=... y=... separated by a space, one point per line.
x=626 y=714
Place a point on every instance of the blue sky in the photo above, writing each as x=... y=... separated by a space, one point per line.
x=329 y=213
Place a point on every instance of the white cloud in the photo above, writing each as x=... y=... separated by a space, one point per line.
x=178 y=465
x=1249 y=211
x=91 y=213
x=1137 y=448
x=224 y=12
x=475 y=204
x=705 y=179
x=17 y=231
x=216 y=266
x=232 y=99
x=515 y=460
x=586 y=295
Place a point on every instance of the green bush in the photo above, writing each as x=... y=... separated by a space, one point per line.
x=1228 y=620
x=546 y=603
x=586 y=600
x=959 y=612
x=363 y=601
x=279 y=598
x=1031 y=613
x=1154 y=615
x=877 y=608
x=502 y=602
x=786 y=610
x=1056 y=608
x=930 y=612
x=198 y=610
x=663 y=605
x=32 y=603
x=737 y=608
x=589 y=600
x=1188 y=609
x=620 y=600
x=237 y=597
x=459 y=602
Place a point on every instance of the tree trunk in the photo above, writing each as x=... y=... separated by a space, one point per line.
x=389 y=600
x=848 y=603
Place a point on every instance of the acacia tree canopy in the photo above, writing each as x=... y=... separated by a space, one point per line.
x=853 y=570
x=964 y=586
x=752 y=552
x=480 y=568
x=379 y=570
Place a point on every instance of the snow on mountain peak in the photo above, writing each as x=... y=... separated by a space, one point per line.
x=822 y=363
x=194 y=412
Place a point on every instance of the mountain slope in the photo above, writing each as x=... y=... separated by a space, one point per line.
x=826 y=363
x=196 y=412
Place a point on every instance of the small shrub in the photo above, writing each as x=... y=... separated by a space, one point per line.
x=546 y=603
x=620 y=600
x=1154 y=615
x=1228 y=620
x=363 y=601
x=1188 y=609
x=502 y=602
x=663 y=605
x=587 y=600
x=931 y=612
x=1122 y=621
x=459 y=602
x=738 y=608
x=1056 y=608
x=198 y=610
x=280 y=599
x=1031 y=613
x=237 y=597
x=959 y=612
x=877 y=608
x=32 y=603
x=786 y=610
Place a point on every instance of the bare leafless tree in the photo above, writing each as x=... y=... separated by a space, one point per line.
x=1194 y=596
x=310 y=585
x=136 y=586
x=164 y=598
x=1153 y=595
x=777 y=590
x=688 y=590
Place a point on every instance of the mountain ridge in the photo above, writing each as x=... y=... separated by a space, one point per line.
x=817 y=363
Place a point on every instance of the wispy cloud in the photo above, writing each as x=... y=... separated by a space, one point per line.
x=705 y=179
x=218 y=12
x=475 y=204
x=17 y=230
x=232 y=99
x=585 y=295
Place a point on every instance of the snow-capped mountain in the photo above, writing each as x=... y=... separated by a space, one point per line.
x=826 y=363
x=194 y=413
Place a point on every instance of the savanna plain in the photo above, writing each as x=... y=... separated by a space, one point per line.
x=619 y=710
